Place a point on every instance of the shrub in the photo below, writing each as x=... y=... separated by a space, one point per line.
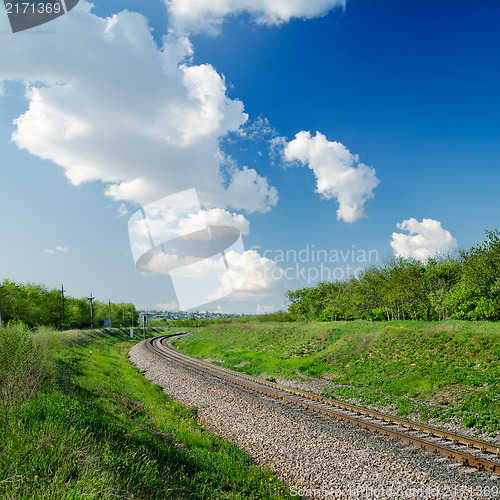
x=22 y=369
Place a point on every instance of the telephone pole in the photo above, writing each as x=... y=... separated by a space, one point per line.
x=91 y=299
x=62 y=298
x=109 y=304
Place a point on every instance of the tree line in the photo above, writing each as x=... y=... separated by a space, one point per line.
x=35 y=305
x=462 y=286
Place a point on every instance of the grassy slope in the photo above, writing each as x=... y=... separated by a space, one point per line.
x=439 y=370
x=96 y=428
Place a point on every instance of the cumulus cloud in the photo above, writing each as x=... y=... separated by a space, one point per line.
x=180 y=228
x=170 y=236
x=248 y=190
x=250 y=277
x=57 y=248
x=258 y=130
x=423 y=240
x=207 y=15
x=163 y=263
x=264 y=278
x=122 y=210
x=238 y=276
x=173 y=224
x=220 y=217
x=107 y=104
x=338 y=172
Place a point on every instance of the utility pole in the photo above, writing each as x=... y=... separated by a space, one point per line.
x=91 y=299
x=62 y=298
x=123 y=309
x=144 y=326
x=109 y=304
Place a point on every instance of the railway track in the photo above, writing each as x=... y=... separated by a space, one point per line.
x=470 y=452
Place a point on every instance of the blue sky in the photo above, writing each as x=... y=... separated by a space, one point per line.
x=396 y=104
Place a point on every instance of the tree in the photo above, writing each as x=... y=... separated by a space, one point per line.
x=441 y=276
x=477 y=295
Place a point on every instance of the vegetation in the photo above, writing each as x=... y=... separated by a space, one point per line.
x=75 y=425
x=193 y=322
x=440 y=370
x=35 y=305
x=463 y=287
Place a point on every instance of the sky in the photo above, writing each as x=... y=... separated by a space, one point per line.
x=324 y=135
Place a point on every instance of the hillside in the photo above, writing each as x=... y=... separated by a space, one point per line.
x=439 y=371
x=77 y=420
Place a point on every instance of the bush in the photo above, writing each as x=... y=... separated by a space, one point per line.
x=22 y=369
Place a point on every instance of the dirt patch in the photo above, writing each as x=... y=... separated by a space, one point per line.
x=447 y=397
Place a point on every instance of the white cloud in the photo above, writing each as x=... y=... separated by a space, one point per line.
x=251 y=276
x=122 y=210
x=263 y=309
x=338 y=172
x=207 y=15
x=249 y=191
x=162 y=263
x=109 y=105
x=220 y=217
x=166 y=222
x=277 y=147
x=57 y=248
x=264 y=278
x=425 y=239
x=259 y=129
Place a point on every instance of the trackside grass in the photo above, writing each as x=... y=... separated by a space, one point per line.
x=425 y=370
x=77 y=426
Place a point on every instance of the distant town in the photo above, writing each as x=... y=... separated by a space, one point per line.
x=171 y=316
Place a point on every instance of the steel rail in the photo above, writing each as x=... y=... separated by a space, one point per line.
x=344 y=411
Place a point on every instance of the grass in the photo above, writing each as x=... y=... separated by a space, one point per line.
x=75 y=425
x=438 y=370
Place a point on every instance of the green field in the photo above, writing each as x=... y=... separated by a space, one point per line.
x=441 y=370
x=75 y=425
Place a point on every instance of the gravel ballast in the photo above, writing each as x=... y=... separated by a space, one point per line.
x=315 y=456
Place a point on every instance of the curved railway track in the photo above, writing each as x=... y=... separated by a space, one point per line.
x=470 y=452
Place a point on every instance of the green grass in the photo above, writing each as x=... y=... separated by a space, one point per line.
x=434 y=369
x=91 y=426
